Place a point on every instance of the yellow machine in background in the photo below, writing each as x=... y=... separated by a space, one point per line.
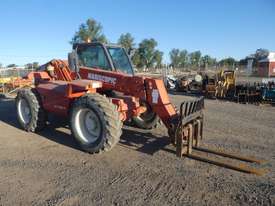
x=5 y=80
x=12 y=84
x=226 y=81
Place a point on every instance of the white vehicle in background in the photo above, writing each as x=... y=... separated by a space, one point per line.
x=170 y=81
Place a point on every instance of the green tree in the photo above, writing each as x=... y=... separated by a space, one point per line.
x=12 y=65
x=228 y=62
x=127 y=41
x=175 y=57
x=213 y=62
x=136 y=59
x=178 y=58
x=33 y=65
x=195 y=58
x=158 y=58
x=261 y=54
x=28 y=66
x=183 y=58
x=90 y=31
x=243 y=62
x=147 y=52
x=207 y=60
x=1 y=65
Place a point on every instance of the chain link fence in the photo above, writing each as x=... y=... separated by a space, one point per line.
x=241 y=71
x=14 y=72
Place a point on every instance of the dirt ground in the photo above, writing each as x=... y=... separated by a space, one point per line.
x=49 y=169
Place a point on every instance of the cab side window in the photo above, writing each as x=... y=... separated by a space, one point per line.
x=93 y=57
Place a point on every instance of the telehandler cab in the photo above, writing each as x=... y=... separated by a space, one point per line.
x=98 y=91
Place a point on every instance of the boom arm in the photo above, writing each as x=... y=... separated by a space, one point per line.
x=151 y=90
x=61 y=70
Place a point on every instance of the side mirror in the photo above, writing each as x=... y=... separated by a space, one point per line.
x=73 y=61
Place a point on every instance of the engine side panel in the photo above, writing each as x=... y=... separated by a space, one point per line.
x=53 y=95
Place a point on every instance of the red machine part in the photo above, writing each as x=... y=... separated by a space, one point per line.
x=134 y=89
x=128 y=107
x=149 y=89
x=61 y=70
x=54 y=101
x=58 y=97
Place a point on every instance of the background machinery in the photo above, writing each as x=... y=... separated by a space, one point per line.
x=226 y=82
x=268 y=92
x=209 y=86
x=190 y=83
x=97 y=91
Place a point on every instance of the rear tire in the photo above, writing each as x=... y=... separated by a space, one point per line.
x=30 y=113
x=95 y=123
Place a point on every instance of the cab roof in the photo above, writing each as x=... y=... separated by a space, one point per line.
x=96 y=44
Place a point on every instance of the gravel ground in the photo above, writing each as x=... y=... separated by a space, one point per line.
x=49 y=169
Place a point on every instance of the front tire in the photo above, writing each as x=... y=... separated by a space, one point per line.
x=30 y=113
x=95 y=123
x=147 y=120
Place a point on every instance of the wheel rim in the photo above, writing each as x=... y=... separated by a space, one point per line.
x=88 y=126
x=148 y=115
x=24 y=111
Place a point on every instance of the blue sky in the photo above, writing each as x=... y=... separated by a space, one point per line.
x=39 y=30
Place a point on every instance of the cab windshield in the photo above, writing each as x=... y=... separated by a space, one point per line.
x=93 y=56
x=120 y=60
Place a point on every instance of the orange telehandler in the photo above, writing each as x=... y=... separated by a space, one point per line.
x=97 y=89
